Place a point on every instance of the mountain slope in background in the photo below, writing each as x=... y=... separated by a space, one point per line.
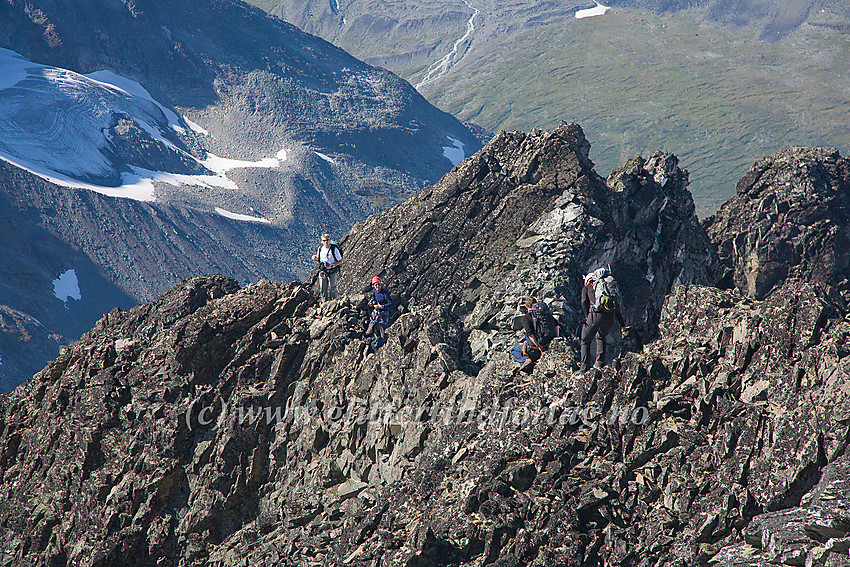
x=110 y=252
x=253 y=85
x=149 y=442
x=236 y=138
x=718 y=83
x=773 y=19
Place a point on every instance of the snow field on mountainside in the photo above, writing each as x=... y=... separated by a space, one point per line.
x=55 y=124
x=455 y=152
x=598 y=10
x=66 y=287
x=236 y=216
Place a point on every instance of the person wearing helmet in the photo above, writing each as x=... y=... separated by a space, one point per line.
x=381 y=302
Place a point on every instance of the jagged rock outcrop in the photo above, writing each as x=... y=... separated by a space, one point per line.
x=814 y=533
x=219 y=426
x=527 y=215
x=790 y=221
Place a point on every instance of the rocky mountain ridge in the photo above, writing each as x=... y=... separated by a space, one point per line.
x=787 y=222
x=257 y=136
x=219 y=425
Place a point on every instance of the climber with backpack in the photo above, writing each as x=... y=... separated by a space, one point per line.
x=329 y=258
x=540 y=328
x=601 y=303
x=381 y=303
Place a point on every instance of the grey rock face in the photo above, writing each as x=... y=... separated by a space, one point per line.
x=789 y=221
x=529 y=216
x=221 y=425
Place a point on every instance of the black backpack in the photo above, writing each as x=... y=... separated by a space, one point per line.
x=335 y=248
x=545 y=326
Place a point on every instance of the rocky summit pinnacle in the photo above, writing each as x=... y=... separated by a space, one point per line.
x=228 y=426
x=788 y=221
x=528 y=215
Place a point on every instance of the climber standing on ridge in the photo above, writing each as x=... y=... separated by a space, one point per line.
x=601 y=302
x=381 y=302
x=329 y=258
x=540 y=328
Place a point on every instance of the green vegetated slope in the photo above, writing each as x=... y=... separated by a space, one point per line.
x=267 y=5
x=638 y=82
x=719 y=85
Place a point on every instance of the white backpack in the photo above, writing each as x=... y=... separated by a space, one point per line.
x=606 y=292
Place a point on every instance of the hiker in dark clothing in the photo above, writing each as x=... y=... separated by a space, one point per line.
x=600 y=314
x=540 y=328
x=381 y=303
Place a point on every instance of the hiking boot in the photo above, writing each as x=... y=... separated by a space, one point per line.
x=599 y=365
x=527 y=366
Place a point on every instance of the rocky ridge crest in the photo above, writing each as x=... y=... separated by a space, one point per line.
x=788 y=222
x=147 y=443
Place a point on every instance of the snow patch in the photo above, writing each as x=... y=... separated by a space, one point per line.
x=222 y=165
x=590 y=12
x=237 y=216
x=66 y=286
x=198 y=129
x=324 y=157
x=454 y=153
x=132 y=186
x=178 y=179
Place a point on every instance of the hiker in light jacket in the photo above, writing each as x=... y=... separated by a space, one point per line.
x=329 y=258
